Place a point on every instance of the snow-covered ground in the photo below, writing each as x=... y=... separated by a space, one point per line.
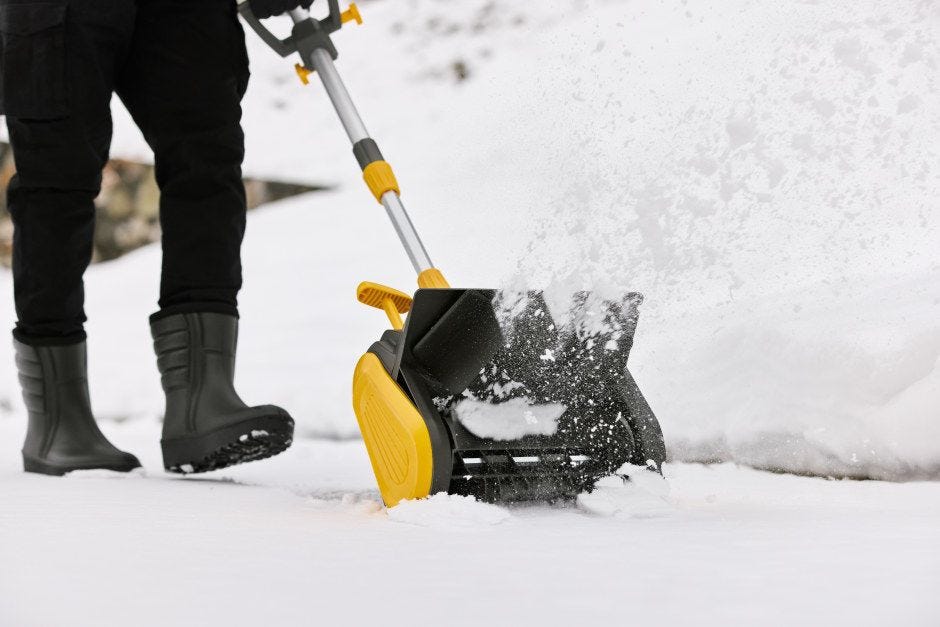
x=765 y=173
x=302 y=539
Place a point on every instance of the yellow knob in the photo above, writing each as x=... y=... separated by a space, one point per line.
x=350 y=14
x=303 y=73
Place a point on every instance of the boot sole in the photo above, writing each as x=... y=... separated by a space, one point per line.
x=38 y=466
x=246 y=441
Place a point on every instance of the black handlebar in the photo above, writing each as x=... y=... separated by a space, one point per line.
x=289 y=45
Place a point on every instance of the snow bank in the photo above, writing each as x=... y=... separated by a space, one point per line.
x=448 y=511
x=838 y=380
x=764 y=173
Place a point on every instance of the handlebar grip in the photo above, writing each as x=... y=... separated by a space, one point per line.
x=284 y=47
x=333 y=21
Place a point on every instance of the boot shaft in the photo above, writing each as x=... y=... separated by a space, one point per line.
x=196 y=358
x=54 y=382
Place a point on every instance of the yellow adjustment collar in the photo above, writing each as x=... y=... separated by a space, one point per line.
x=431 y=278
x=379 y=177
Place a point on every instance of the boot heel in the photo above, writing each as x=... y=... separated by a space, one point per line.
x=40 y=467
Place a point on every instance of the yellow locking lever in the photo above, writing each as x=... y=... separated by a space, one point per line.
x=351 y=14
x=303 y=73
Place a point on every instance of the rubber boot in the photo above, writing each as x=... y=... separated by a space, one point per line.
x=62 y=434
x=207 y=426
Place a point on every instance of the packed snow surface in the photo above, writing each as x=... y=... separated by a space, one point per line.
x=448 y=511
x=635 y=492
x=302 y=538
x=508 y=420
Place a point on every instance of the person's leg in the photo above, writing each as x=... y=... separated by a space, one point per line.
x=58 y=67
x=186 y=76
x=187 y=73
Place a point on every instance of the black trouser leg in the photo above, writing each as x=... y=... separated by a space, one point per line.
x=57 y=83
x=185 y=77
x=52 y=244
x=57 y=69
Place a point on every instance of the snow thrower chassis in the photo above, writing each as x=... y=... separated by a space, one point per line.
x=408 y=385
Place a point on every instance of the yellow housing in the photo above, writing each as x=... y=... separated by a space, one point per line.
x=395 y=434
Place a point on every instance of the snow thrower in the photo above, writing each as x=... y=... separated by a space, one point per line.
x=479 y=392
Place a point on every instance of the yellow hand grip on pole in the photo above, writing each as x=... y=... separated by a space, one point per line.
x=389 y=300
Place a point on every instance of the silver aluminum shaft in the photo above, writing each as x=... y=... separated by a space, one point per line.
x=298 y=14
x=339 y=96
x=406 y=232
x=322 y=64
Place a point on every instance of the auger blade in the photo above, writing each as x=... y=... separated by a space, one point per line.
x=571 y=368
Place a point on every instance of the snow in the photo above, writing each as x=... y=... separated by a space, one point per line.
x=633 y=497
x=448 y=511
x=765 y=173
x=843 y=384
x=302 y=537
x=508 y=420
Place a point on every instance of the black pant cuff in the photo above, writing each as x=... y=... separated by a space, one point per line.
x=184 y=308
x=49 y=340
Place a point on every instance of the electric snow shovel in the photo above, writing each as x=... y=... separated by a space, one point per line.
x=479 y=392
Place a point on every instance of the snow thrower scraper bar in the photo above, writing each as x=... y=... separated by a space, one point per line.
x=419 y=392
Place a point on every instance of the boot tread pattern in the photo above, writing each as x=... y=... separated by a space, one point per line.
x=252 y=446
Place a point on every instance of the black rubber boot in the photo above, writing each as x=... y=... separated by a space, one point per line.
x=62 y=434
x=207 y=426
